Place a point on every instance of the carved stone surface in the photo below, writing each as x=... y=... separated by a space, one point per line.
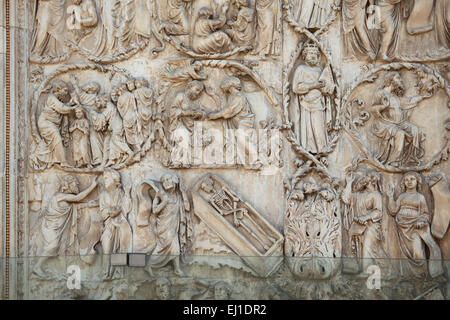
x=207 y=149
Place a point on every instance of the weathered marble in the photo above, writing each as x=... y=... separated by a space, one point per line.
x=238 y=144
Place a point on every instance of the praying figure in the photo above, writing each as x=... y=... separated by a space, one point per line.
x=80 y=137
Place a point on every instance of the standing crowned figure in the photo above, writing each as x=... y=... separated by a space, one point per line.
x=313 y=86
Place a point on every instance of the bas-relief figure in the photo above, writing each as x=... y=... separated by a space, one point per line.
x=224 y=28
x=390 y=29
x=363 y=221
x=115 y=205
x=412 y=216
x=58 y=223
x=96 y=120
x=312 y=14
x=402 y=140
x=313 y=87
x=171 y=223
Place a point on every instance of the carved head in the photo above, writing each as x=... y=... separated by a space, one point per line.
x=169 y=181
x=111 y=178
x=162 y=286
x=369 y=179
x=222 y=291
x=130 y=85
x=394 y=80
x=69 y=184
x=198 y=66
x=122 y=88
x=311 y=54
x=230 y=83
x=205 y=12
x=194 y=89
x=141 y=83
x=101 y=102
x=327 y=195
x=79 y=112
x=207 y=185
x=115 y=94
x=91 y=88
x=411 y=181
x=61 y=90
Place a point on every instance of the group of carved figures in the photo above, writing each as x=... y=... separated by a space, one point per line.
x=57 y=233
x=112 y=28
x=363 y=206
x=236 y=23
x=102 y=28
x=102 y=130
x=316 y=208
x=383 y=29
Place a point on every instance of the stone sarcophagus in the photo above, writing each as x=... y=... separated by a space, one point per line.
x=238 y=224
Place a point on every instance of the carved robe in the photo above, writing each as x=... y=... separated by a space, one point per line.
x=357 y=38
x=48 y=32
x=127 y=30
x=413 y=208
x=315 y=109
x=59 y=228
x=421 y=17
x=267 y=27
x=81 y=145
x=238 y=112
x=401 y=141
x=117 y=234
x=442 y=22
x=178 y=23
x=170 y=229
x=95 y=136
x=242 y=31
x=144 y=101
x=49 y=124
x=208 y=40
x=115 y=147
x=143 y=18
x=314 y=13
x=128 y=110
x=88 y=20
x=369 y=236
